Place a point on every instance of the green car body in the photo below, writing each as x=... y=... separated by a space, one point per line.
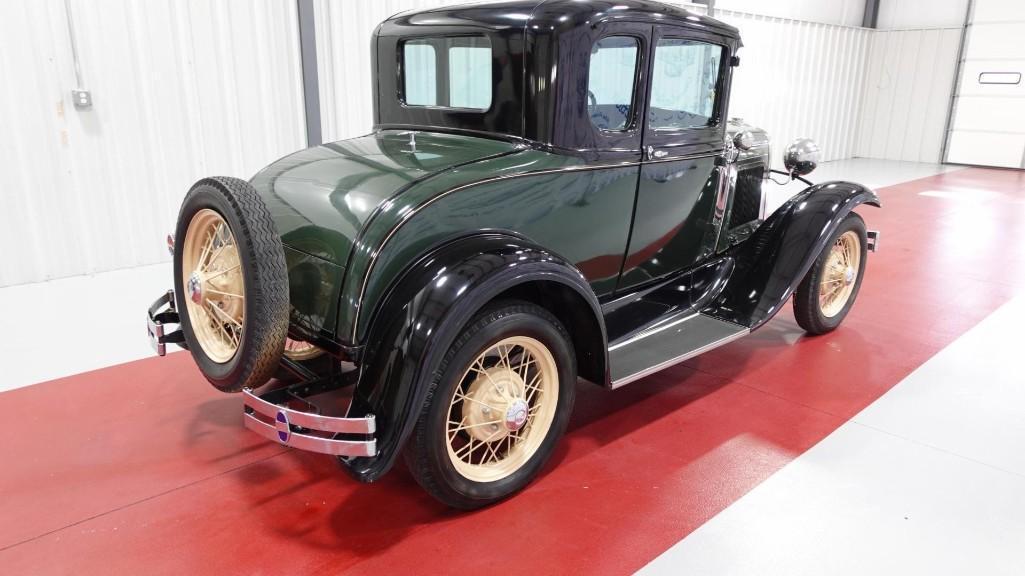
x=359 y=211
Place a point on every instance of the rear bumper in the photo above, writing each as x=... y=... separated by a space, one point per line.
x=271 y=414
x=270 y=417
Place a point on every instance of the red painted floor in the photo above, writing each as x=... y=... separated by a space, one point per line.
x=144 y=468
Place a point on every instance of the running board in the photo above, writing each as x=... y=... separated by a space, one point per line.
x=670 y=343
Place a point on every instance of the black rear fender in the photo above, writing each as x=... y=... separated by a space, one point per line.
x=426 y=310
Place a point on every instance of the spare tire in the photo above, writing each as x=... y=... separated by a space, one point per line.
x=231 y=283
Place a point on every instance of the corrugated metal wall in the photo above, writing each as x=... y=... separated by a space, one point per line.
x=181 y=90
x=908 y=83
x=800 y=79
x=188 y=89
x=344 y=30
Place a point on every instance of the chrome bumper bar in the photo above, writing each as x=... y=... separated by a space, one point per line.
x=269 y=414
x=306 y=430
x=160 y=314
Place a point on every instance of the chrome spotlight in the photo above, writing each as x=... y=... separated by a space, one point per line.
x=801 y=156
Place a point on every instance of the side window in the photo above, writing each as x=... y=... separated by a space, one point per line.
x=611 y=78
x=683 y=84
x=421 y=73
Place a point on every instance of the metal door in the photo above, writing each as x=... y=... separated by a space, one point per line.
x=674 y=224
x=988 y=120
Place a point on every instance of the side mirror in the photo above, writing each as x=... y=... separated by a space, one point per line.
x=801 y=157
x=744 y=140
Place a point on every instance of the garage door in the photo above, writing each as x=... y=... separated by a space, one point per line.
x=988 y=126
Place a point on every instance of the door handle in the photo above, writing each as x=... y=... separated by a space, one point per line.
x=655 y=154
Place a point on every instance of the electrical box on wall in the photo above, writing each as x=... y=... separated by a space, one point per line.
x=82 y=99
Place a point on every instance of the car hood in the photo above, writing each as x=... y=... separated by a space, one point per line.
x=320 y=198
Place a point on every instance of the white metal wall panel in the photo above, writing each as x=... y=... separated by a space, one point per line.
x=918 y=14
x=996 y=11
x=181 y=90
x=344 y=30
x=842 y=12
x=800 y=79
x=908 y=84
x=988 y=120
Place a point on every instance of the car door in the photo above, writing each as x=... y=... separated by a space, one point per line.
x=675 y=222
x=602 y=79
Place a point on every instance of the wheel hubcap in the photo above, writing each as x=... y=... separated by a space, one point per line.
x=195 y=287
x=502 y=409
x=840 y=273
x=516 y=414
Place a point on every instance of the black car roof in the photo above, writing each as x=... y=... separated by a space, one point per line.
x=562 y=14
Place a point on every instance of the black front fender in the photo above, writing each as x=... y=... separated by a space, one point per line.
x=424 y=313
x=773 y=261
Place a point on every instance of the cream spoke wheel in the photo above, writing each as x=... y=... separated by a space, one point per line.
x=461 y=396
x=502 y=409
x=828 y=289
x=228 y=294
x=215 y=287
x=231 y=284
x=840 y=274
x=223 y=272
x=499 y=401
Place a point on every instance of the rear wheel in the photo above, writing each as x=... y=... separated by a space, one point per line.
x=828 y=291
x=308 y=356
x=231 y=284
x=496 y=412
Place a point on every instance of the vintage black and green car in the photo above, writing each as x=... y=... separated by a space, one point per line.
x=551 y=191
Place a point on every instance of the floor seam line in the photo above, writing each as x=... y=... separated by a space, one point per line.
x=146 y=499
x=791 y=401
x=936 y=448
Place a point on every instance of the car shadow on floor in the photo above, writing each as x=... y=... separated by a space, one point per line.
x=307 y=498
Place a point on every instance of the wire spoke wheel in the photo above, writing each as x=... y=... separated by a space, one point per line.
x=215 y=287
x=840 y=274
x=230 y=284
x=502 y=409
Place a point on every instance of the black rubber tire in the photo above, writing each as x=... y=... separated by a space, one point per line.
x=807 y=309
x=265 y=275
x=426 y=453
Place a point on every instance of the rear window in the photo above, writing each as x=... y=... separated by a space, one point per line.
x=447 y=72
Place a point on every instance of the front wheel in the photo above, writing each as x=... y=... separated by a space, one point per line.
x=828 y=291
x=496 y=411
